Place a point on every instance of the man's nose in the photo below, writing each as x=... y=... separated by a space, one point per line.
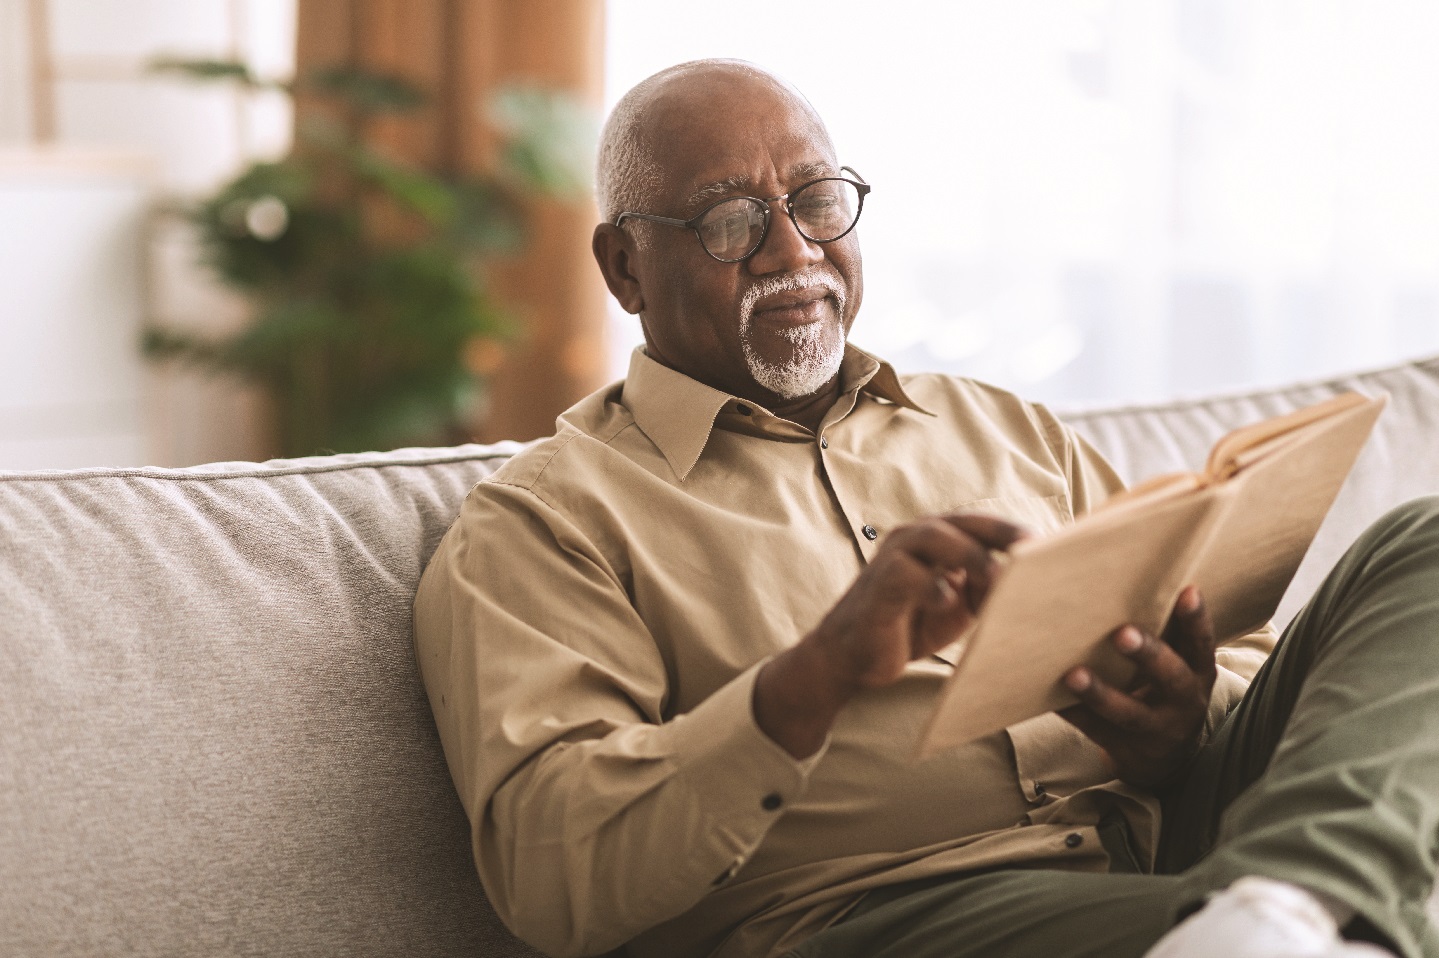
x=784 y=249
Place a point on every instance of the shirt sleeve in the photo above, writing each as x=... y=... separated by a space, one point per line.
x=1090 y=477
x=594 y=816
x=1238 y=662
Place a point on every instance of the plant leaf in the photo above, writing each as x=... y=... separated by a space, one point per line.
x=365 y=90
x=209 y=70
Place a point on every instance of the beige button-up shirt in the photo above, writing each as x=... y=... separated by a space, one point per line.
x=590 y=629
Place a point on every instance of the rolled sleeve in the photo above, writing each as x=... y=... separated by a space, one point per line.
x=1237 y=664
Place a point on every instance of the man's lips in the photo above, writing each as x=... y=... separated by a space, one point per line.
x=793 y=307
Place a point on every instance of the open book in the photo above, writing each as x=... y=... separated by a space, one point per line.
x=1237 y=530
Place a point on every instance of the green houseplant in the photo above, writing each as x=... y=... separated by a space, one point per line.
x=364 y=274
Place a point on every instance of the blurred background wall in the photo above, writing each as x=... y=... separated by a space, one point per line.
x=1114 y=200
x=90 y=142
x=95 y=146
x=1081 y=200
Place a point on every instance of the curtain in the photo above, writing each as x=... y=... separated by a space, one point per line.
x=461 y=52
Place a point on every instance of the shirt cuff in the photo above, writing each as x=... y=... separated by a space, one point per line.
x=1229 y=689
x=738 y=774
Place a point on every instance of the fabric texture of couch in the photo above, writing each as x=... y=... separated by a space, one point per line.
x=212 y=736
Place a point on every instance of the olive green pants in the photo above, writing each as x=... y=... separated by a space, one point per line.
x=1326 y=775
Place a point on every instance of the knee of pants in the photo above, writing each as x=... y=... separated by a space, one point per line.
x=1415 y=518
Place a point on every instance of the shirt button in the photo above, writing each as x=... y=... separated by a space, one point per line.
x=771 y=802
x=1073 y=840
x=870 y=533
x=742 y=409
x=823 y=443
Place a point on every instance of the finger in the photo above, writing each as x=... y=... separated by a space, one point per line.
x=944 y=599
x=937 y=543
x=1123 y=711
x=1098 y=730
x=944 y=618
x=947 y=593
x=997 y=535
x=1191 y=632
x=1165 y=669
x=992 y=531
x=949 y=589
x=941 y=546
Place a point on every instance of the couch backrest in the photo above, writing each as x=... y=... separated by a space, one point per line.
x=1400 y=462
x=212 y=736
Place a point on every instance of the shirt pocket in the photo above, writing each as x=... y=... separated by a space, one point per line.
x=1039 y=515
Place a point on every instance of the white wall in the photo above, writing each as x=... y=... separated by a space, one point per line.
x=14 y=67
x=111 y=240
x=71 y=303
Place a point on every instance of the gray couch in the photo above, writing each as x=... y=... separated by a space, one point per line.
x=212 y=737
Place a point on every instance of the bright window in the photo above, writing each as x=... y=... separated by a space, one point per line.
x=1085 y=200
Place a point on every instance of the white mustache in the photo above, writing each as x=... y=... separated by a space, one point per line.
x=791 y=282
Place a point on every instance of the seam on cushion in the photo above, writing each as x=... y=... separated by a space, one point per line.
x=180 y=475
x=1430 y=365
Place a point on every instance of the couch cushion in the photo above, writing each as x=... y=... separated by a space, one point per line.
x=212 y=736
x=1400 y=462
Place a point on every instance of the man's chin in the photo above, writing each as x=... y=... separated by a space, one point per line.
x=800 y=366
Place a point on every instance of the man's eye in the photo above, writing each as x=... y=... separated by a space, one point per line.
x=729 y=224
x=821 y=201
x=720 y=227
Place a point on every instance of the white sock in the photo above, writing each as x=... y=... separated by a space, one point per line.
x=1263 y=918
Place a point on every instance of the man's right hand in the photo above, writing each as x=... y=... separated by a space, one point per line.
x=920 y=592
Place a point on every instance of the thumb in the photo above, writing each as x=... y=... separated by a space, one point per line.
x=945 y=616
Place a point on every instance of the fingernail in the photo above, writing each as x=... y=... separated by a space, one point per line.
x=1129 y=639
x=1078 y=680
x=1189 y=600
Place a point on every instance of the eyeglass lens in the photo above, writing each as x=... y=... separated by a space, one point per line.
x=823 y=210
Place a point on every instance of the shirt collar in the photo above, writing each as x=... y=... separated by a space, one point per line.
x=678 y=413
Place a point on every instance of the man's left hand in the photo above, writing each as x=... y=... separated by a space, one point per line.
x=1152 y=732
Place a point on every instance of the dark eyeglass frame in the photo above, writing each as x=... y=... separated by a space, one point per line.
x=693 y=222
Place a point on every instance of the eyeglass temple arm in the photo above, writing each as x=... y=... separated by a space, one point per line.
x=670 y=220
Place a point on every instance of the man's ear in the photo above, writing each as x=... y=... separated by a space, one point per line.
x=614 y=251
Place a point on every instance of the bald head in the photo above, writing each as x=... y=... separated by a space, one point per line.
x=633 y=159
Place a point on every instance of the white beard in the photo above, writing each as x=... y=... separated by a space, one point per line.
x=818 y=346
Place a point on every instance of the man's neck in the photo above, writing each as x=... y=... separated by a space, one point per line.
x=808 y=411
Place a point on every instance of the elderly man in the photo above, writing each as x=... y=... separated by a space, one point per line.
x=680 y=653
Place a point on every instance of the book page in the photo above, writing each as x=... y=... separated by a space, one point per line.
x=1269 y=512
x=1247 y=444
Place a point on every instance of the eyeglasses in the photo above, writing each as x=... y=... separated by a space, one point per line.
x=732 y=229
